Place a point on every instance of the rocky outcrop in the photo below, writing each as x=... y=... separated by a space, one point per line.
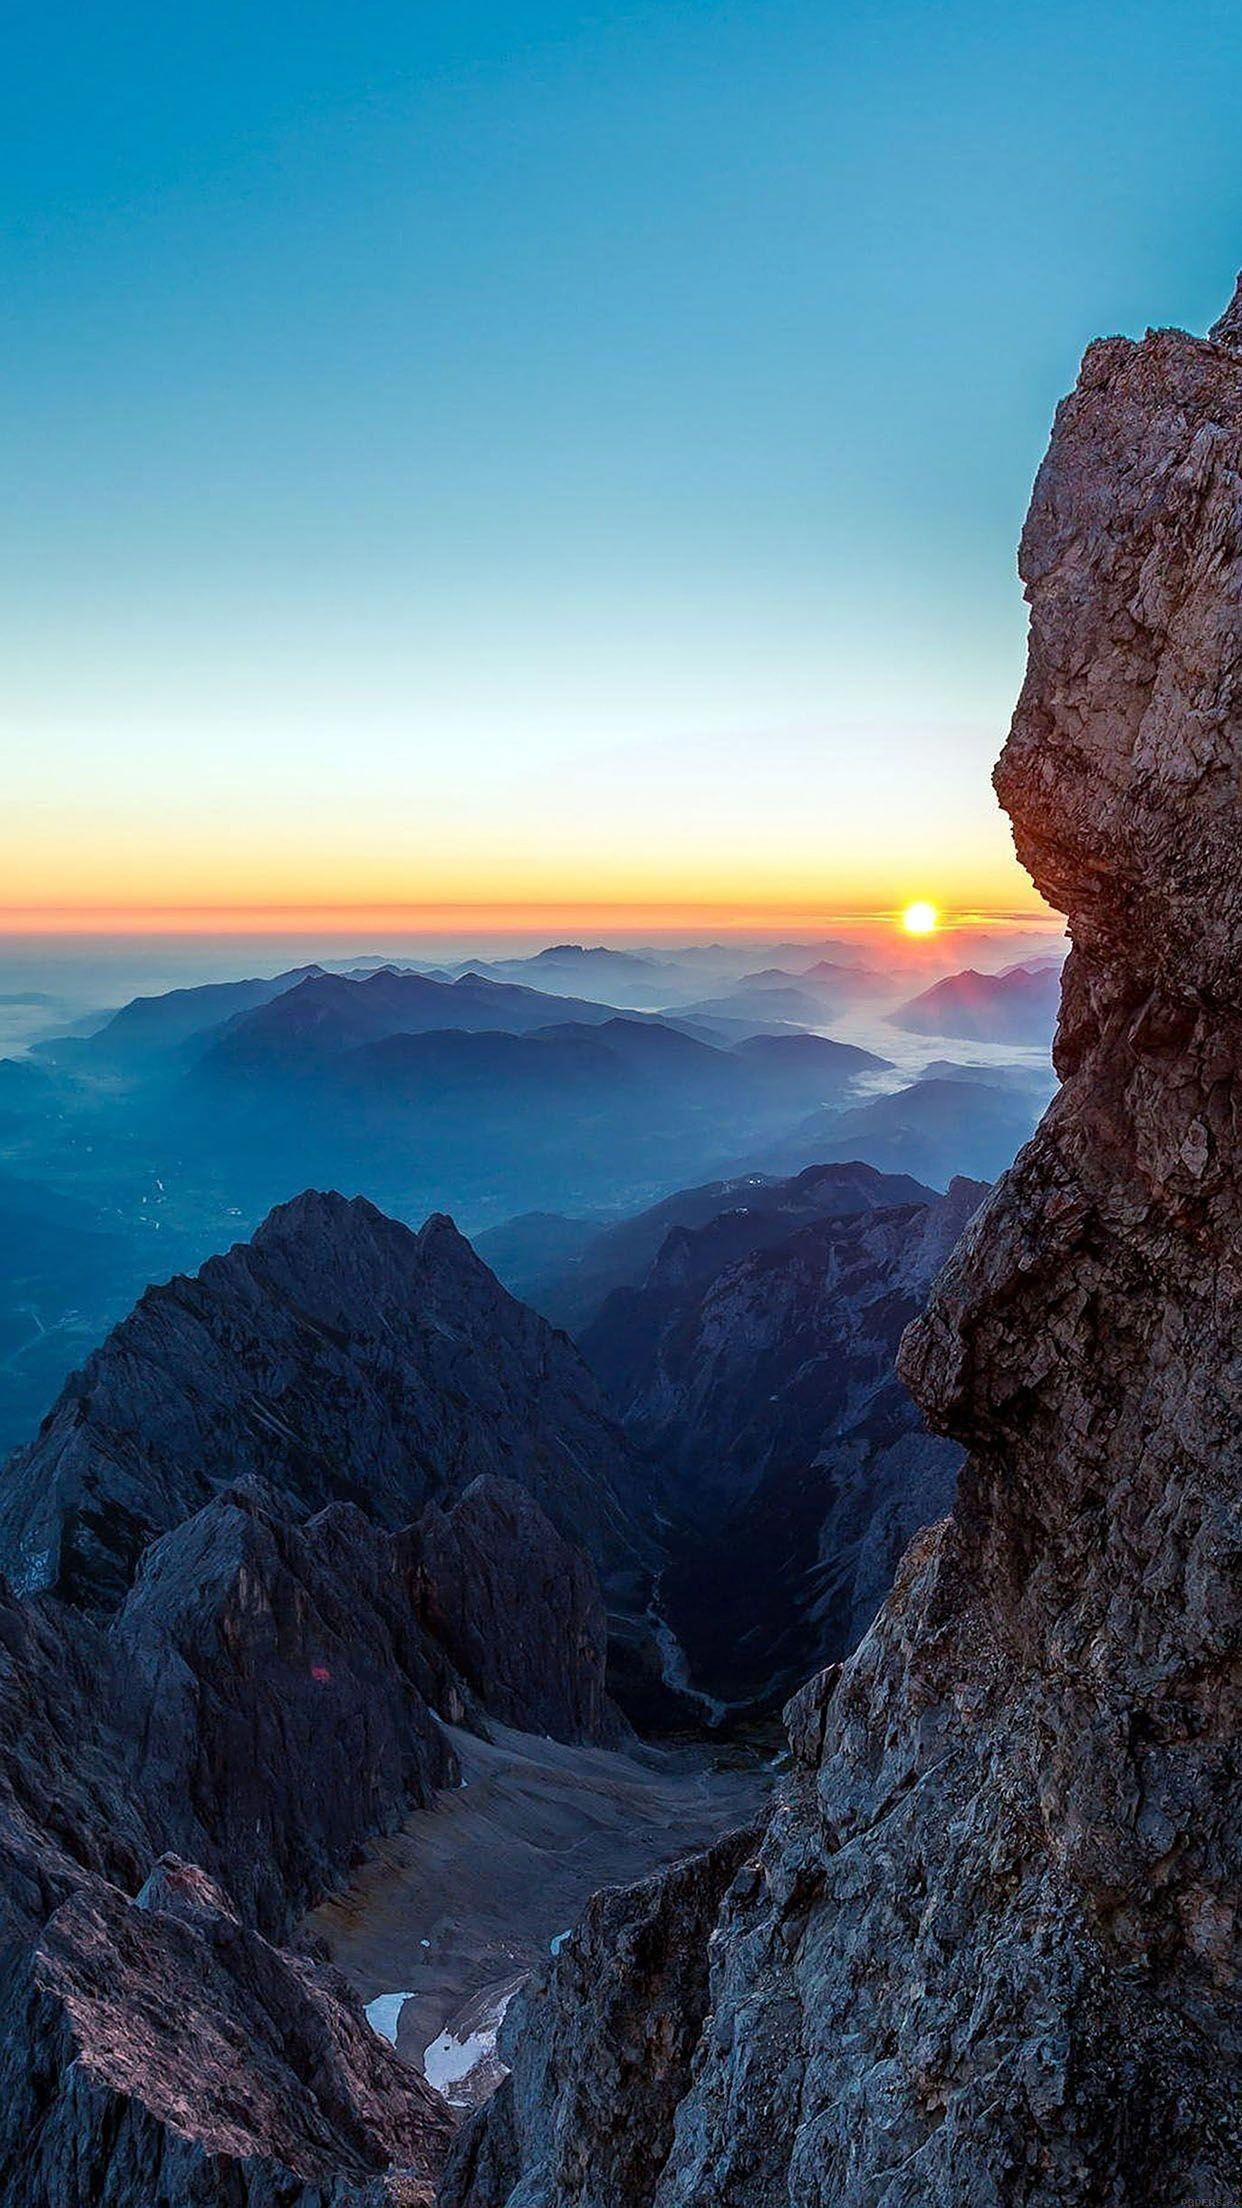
x=758 y=1369
x=159 y=2049
x=518 y=1611
x=282 y=1695
x=985 y=1955
x=185 y=1770
x=262 y=1701
x=616 y=2020
x=342 y=1359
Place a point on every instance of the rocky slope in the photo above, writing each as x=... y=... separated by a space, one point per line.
x=185 y=1770
x=339 y=1357
x=159 y=2049
x=985 y=1954
x=518 y=1611
x=759 y=1372
x=262 y=1701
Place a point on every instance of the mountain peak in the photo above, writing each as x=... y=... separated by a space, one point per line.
x=1227 y=330
x=338 y=1356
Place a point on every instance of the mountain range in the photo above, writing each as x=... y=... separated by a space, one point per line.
x=1017 y=1006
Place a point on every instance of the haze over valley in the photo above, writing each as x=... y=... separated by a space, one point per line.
x=620 y=1043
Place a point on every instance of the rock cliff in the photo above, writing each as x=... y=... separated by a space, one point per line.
x=338 y=1356
x=764 y=1388
x=183 y=1770
x=518 y=1611
x=984 y=1955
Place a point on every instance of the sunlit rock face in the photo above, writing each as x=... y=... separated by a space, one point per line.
x=983 y=1956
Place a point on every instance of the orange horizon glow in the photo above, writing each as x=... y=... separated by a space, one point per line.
x=504 y=917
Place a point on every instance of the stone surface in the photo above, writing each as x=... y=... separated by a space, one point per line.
x=159 y=2050
x=758 y=1369
x=338 y=1356
x=987 y=1957
x=518 y=1611
x=260 y=1699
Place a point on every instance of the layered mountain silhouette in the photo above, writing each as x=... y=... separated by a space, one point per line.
x=956 y=1122
x=568 y=1268
x=1018 y=1006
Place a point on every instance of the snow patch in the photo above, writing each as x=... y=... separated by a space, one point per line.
x=448 y=2063
x=382 y=2014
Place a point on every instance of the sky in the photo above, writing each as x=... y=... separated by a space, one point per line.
x=549 y=460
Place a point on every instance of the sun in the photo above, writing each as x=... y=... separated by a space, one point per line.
x=920 y=918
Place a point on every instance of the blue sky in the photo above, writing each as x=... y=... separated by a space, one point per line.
x=541 y=452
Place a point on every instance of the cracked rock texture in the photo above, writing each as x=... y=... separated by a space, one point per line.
x=984 y=1956
x=764 y=1387
x=338 y=1356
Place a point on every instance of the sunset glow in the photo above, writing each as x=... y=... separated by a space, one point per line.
x=920 y=918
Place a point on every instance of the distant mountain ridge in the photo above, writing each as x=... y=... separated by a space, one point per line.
x=569 y=1268
x=1018 y=1006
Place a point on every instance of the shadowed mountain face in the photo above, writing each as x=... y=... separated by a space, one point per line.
x=971 y=1123
x=568 y=1268
x=264 y=1687
x=149 y=1026
x=260 y=1701
x=339 y=1356
x=985 y=1952
x=328 y=1013
x=756 y=1366
x=1016 y=1007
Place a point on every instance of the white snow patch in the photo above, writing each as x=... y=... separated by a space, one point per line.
x=383 y=2012
x=448 y=2062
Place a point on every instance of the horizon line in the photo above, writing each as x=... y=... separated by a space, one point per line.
x=443 y=917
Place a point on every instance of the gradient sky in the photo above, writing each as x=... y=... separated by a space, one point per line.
x=550 y=454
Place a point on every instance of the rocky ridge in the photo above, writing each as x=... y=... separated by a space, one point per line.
x=757 y=1369
x=185 y=1769
x=340 y=1357
x=985 y=1953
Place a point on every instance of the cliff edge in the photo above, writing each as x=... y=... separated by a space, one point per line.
x=984 y=1954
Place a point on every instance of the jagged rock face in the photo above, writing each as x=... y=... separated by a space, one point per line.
x=518 y=1611
x=158 y=2049
x=616 y=2022
x=261 y=1699
x=341 y=1358
x=764 y=1387
x=283 y=1693
x=984 y=1956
